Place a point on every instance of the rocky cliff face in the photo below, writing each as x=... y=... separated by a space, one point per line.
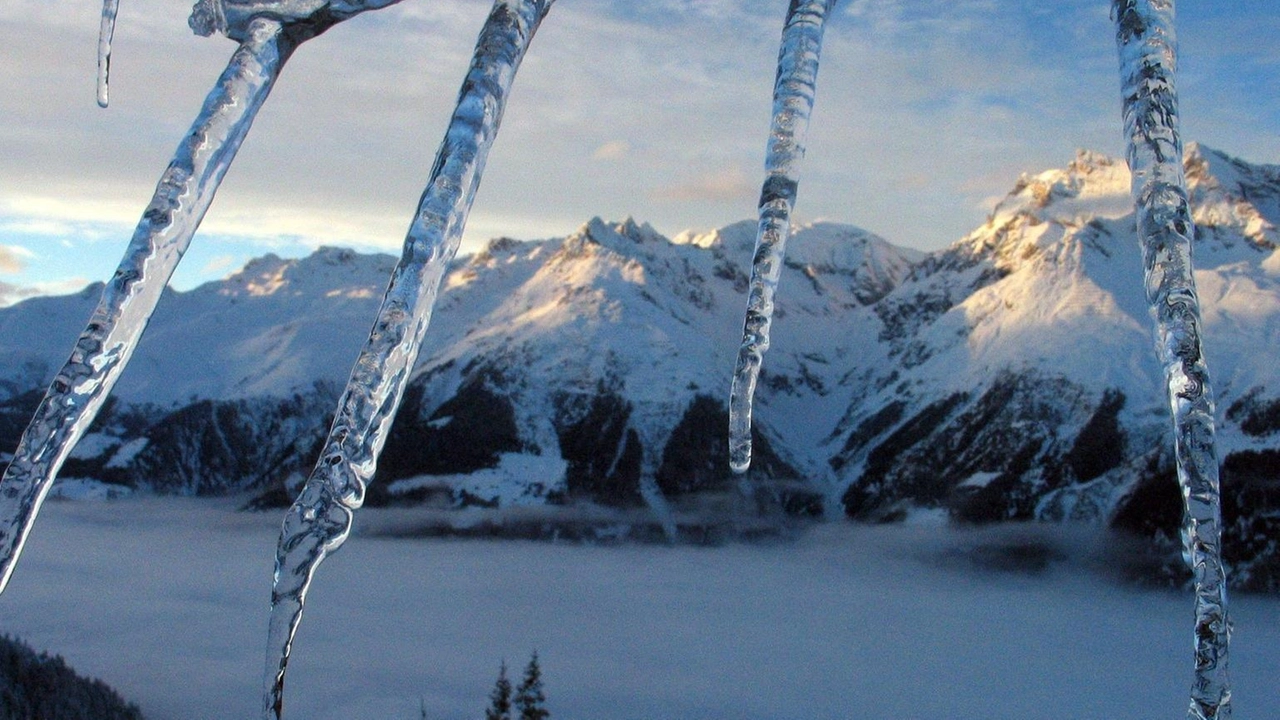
x=1008 y=377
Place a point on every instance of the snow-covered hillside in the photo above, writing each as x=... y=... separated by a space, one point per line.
x=1010 y=376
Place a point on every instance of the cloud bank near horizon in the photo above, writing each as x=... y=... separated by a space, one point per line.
x=925 y=114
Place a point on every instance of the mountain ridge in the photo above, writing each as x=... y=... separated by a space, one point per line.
x=1010 y=376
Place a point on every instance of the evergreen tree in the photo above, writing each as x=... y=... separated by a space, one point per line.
x=500 y=699
x=529 y=696
x=37 y=685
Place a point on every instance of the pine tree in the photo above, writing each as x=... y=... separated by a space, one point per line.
x=500 y=699
x=529 y=696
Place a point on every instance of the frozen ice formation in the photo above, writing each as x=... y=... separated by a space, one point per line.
x=232 y=17
x=793 y=95
x=1146 y=43
x=105 y=32
x=181 y=198
x=319 y=520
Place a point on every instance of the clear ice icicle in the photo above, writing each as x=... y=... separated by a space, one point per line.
x=181 y=198
x=1145 y=39
x=306 y=18
x=320 y=519
x=105 y=32
x=793 y=95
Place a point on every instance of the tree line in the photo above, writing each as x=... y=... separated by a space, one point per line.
x=526 y=701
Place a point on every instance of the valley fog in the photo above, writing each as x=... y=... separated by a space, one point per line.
x=166 y=600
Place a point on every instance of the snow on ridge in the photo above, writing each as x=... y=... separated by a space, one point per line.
x=330 y=271
x=1092 y=185
x=825 y=245
x=914 y=380
x=1071 y=219
x=1050 y=285
x=1226 y=191
x=837 y=246
x=739 y=236
x=1054 y=280
x=1088 y=202
x=260 y=276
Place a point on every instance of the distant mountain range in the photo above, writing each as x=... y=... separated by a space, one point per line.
x=1010 y=376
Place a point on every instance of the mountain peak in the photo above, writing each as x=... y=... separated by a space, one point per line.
x=604 y=233
x=836 y=247
x=335 y=256
x=1229 y=198
x=1091 y=185
x=1009 y=376
x=260 y=276
x=1228 y=191
x=740 y=236
x=333 y=270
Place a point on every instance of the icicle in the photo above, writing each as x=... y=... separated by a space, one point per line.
x=320 y=519
x=105 y=32
x=182 y=196
x=233 y=17
x=792 y=102
x=1145 y=38
x=207 y=17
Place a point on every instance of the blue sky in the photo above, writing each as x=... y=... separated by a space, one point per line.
x=926 y=113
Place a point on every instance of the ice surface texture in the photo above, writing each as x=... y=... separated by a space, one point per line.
x=320 y=519
x=105 y=33
x=793 y=94
x=1145 y=38
x=233 y=17
x=182 y=196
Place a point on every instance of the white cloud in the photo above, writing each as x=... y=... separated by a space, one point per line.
x=13 y=258
x=59 y=216
x=731 y=184
x=612 y=150
x=11 y=293
x=839 y=621
x=221 y=264
x=313 y=226
x=670 y=93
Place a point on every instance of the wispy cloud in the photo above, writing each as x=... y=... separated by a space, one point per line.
x=220 y=265
x=656 y=109
x=83 y=217
x=13 y=258
x=11 y=293
x=730 y=184
x=612 y=150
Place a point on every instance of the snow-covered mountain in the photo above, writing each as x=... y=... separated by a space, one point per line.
x=1010 y=376
x=1018 y=378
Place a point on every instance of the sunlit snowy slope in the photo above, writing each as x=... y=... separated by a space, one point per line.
x=1010 y=376
x=1020 y=379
